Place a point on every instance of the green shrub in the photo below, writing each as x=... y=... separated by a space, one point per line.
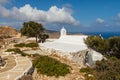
x=86 y=70
x=9 y=50
x=114 y=46
x=108 y=69
x=50 y=67
x=14 y=49
x=17 y=51
x=97 y=43
x=110 y=46
x=20 y=45
x=31 y=45
x=27 y=45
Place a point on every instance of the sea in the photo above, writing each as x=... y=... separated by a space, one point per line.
x=105 y=35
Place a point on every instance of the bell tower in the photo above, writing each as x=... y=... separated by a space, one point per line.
x=63 y=31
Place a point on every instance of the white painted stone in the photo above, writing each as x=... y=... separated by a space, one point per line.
x=94 y=56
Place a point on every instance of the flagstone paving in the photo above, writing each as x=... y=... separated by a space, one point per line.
x=23 y=64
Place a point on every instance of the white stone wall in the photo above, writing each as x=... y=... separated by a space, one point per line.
x=94 y=56
x=73 y=39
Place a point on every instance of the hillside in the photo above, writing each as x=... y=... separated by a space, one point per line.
x=53 y=34
x=7 y=31
x=56 y=34
x=6 y=34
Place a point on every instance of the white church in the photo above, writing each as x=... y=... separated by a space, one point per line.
x=71 y=44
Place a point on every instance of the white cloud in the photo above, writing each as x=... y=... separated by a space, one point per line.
x=53 y=15
x=116 y=20
x=99 y=20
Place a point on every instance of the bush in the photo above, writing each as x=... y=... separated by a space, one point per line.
x=17 y=51
x=114 y=46
x=97 y=43
x=27 y=45
x=32 y=45
x=43 y=37
x=109 y=46
x=50 y=67
x=107 y=69
x=86 y=70
x=14 y=49
x=20 y=45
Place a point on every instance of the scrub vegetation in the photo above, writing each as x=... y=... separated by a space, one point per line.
x=50 y=67
x=17 y=51
x=26 y=45
x=106 y=69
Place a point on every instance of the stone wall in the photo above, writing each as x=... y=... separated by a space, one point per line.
x=77 y=57
x=83 y=57
x=80 y=57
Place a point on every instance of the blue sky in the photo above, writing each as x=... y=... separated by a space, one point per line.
x=75 y=15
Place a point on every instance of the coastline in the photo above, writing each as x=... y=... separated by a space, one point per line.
x=105 y=35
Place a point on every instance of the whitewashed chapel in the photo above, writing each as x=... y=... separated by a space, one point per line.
x=70 y=45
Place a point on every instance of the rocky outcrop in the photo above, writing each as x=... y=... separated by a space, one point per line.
x=6 y=35
x=80 y=57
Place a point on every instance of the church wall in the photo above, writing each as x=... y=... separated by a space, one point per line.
x=73 y=39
